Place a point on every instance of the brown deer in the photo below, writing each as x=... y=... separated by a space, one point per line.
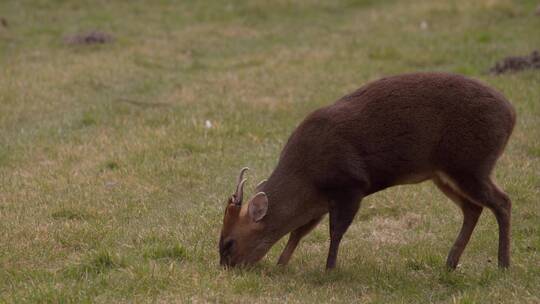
x=402 y=129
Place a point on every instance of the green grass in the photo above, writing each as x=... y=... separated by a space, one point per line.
x=112 y=189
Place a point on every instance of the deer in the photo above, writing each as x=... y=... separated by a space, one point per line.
x=401 y=129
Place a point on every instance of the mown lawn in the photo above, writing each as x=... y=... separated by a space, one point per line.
x=113 y=183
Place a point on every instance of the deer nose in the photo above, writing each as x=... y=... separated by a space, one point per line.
x=226 y=262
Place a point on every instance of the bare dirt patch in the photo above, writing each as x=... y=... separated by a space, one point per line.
x=94 y=37
x=517 y=63
x=392 y=230
x=381 y=231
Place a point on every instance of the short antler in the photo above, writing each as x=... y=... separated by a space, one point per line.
x=238 y=196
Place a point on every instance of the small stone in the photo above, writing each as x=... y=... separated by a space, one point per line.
x=110 y=184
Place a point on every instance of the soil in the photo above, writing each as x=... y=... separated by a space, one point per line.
x=89 y=38
x=517 y=63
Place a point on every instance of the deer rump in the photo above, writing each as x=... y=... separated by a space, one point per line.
x=396 y=130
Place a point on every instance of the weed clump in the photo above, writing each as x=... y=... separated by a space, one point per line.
x=160 y=252
x=96 y=263
x=70 y=215
x=111 y=165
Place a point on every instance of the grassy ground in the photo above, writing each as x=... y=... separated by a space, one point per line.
x=112 y=189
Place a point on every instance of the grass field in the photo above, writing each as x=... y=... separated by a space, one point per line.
x=112 y=186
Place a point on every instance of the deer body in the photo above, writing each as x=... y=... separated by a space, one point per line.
x=396 y=130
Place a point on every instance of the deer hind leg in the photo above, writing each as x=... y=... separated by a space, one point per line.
x=503 y=212
x=471 y=213
x=483 y=192
x=295 y=238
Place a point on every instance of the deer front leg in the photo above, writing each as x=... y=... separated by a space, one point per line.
x=342 y=212
x=295 y=238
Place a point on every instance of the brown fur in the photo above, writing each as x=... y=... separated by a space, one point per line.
x=396 y=130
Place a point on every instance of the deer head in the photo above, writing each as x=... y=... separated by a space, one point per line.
x=242 y=239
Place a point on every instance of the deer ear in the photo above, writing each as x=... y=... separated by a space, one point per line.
x=258 y=206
